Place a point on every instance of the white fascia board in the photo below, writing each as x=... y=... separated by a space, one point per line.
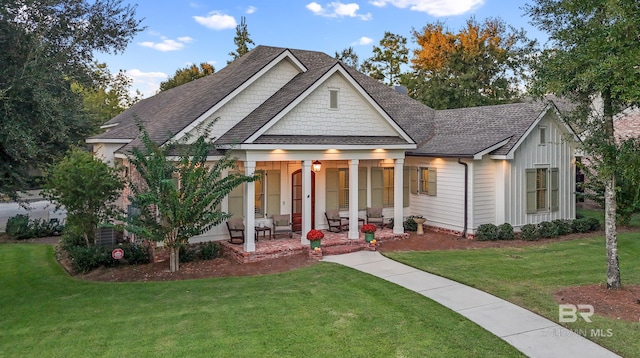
x=479 y=155
x=284 y=55
x=322 y=147
x=112 y=141
x=337 y=68
x=528 y=131
x=105 y=126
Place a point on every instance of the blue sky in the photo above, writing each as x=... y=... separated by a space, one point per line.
x=181 y=32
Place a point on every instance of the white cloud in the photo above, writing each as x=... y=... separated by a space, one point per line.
x=364 y=41
x=167 y=44
x=146 y=82
x=251 y=9
x=433 y=7
x=337 y=9
x=217 y=21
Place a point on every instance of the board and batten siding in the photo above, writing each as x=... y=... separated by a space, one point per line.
x=446 y=208
x=232 y=112
x=482 y=198
x=556 y=152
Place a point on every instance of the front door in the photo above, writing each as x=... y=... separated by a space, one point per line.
x=296 y=200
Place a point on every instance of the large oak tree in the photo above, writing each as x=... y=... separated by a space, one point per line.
x=45 y=46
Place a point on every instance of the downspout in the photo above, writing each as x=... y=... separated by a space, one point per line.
x=466 y=196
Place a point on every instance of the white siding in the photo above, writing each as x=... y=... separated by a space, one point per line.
x=555 y=153
x=483 y=199
x=245 y=102
x=446 y=208
x=355 y=116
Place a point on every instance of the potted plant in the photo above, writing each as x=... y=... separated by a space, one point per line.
x=314 y=236
x=368 y=230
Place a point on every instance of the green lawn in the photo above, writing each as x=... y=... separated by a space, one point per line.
x=528 y=276
x=324 y=310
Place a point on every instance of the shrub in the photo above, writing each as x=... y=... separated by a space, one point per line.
x=529 y=232
x=136 y=254
x=42 y=228
x=581 y=225
x=579 y=215
x=18 y=227
x=187 y=253
x=85 y=259
x=505 y=232
x=409 y=224
x=563 y=226
x=209 y=250
x=487 y=232
x=594 y=224
x=547 y=229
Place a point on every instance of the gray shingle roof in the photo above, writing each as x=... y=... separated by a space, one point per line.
x=467 y=131
x=455 y=132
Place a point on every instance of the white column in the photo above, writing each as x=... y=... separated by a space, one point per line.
x=353 y=199
x=249 y=209
x=398 y=167
x=306 y=200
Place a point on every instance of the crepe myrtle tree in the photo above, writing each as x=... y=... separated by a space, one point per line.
x=178 y=199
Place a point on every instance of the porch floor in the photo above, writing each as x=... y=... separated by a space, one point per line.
x=282 y=245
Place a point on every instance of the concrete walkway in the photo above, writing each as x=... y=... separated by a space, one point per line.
x=528 y=332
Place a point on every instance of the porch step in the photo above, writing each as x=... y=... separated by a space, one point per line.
x=343 y=248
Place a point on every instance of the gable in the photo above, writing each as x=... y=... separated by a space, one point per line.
x=355 y=116
x=549 y=150
x=231 y=112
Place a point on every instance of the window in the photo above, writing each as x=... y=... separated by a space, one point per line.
x=423 y=187
x=259 y=194
x=333 y=99
x=343 y=188
x=387 y=186
x=543 y=135
x=542 y=189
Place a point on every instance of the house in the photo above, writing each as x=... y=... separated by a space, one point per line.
x=284 y=112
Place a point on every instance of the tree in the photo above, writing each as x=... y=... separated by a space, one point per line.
x=592 y=61
x=108 y=96
x=187 y=74
x=87 y=188
x=181 y=199
x=482 y=64
x=387 y=60
x=241 y=40
x=45 y=46
x=349 y=58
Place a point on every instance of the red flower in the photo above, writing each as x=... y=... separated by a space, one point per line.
x=315 y=235
x=368 y=228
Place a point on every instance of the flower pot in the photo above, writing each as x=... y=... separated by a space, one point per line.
x=314 y=244
x=368 y=237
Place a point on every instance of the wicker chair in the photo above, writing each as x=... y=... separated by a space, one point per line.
x=282 y=224
x=236 y=230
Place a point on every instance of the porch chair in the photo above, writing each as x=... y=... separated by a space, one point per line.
x=282 y=224
x=236 y=230
x=374 y=216
x=335 y=221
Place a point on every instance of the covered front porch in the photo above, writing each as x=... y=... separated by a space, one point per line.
x=333 y=244
x=290 y=184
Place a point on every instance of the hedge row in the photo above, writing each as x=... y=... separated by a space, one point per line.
x=533 y=232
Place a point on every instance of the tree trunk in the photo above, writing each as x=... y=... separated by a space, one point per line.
x=613 y=268
x=174 y=259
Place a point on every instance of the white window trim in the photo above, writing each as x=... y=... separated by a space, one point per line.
x=337 y=94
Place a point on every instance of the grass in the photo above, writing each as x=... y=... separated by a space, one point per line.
x=319 y=311
x=529 y=276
